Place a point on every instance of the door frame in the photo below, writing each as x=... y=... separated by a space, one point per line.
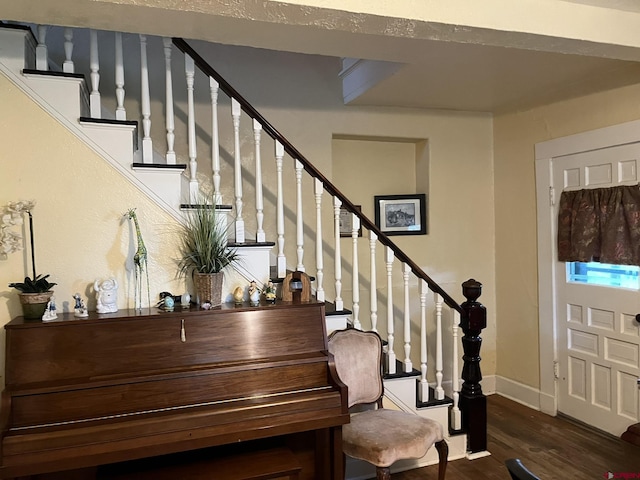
x=545 y=153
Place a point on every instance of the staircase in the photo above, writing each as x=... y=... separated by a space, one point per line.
x=280 y=207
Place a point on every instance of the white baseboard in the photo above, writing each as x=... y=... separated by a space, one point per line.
x=518 y=392
x=548 y=404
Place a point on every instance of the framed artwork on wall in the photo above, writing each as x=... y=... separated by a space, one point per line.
x=401 y=214
x=346 y=222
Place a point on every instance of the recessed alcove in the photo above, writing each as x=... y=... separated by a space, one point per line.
x=365 y=166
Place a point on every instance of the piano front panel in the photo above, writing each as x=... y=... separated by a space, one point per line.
x=194 y=428
x=207 y=387
x=77 y=350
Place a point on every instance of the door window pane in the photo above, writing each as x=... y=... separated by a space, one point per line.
x=595 y=273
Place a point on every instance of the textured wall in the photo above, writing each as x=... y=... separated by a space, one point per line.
x=515 y=136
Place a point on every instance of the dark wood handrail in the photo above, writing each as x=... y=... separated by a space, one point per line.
x=208 y=70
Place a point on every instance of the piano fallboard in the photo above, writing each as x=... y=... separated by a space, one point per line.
x=113 y=387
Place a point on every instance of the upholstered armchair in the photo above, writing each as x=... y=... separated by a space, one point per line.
x=377 y=435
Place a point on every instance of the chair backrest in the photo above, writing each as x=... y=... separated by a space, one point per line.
x=358 y=361
x=518 y=471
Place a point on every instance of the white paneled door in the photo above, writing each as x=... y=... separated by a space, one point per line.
x=598 y=336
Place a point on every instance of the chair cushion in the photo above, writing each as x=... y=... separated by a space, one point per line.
x=383 y=436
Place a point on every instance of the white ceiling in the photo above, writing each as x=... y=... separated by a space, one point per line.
x=495 y=79
x=446 y=66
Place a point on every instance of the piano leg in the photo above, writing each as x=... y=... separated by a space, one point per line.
x=329 y=458
x=337 y=456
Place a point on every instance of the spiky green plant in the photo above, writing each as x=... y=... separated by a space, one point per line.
x=203 y=242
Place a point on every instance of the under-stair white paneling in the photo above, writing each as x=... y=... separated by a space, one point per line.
x=67 y=95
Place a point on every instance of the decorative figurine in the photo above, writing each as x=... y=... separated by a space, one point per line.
x=238 y=295
x=80 y=310
x=296 y=287
x=254 y=294
x=50 y=312
x=185 y=300
x=106 y=295
x=168 y=303
x=139 y=261
x=270 y=292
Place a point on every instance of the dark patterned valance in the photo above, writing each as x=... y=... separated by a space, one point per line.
x=601 y=224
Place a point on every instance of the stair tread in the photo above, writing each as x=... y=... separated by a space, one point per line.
x=400 y=373
x=251 y=243
x=50 y=73
x=193 y=206
x=330 y=310
x=432 y=401
x=109 y=121
x=160 y=166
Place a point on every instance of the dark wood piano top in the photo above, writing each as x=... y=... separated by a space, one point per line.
x=112 y=387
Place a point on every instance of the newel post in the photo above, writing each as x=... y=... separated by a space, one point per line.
x=473 y=402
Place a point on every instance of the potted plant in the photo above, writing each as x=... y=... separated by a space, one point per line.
x=203 y=251
x=34 y=293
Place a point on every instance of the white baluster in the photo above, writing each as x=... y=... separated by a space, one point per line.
x=121 y=113
x=147 y=143
x=169 y=116
x=299 y=219
x=237 y=169
x=95 y=107
x=189 y=68
x=67 y=65
x=355 y=226
x=391 y=355
x=423 y=386
x=42 y=54
x=338 y=256
x=408 y=366
x=260 y=235
x=215 y=142
x=282 y=260
x=456 y=416
x=318 y=188
x=373 y=239
x=439 y=391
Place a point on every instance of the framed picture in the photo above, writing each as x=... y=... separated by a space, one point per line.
x=346 y=222
x=401 y=214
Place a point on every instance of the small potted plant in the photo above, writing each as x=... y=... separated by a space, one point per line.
x=203 y=250
x=35 y=292
x=34 y=295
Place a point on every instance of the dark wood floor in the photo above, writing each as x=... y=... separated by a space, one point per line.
x=551 y=447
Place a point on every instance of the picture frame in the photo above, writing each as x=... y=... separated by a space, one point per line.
x=346 y=222
x=401 y=214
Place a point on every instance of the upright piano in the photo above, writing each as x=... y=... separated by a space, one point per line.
x=82 y=392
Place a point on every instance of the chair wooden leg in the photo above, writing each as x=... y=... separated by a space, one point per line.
x=383 y=473
x=443 y=454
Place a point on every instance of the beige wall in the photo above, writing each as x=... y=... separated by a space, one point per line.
x=515 y=136
x=80 y=234
x=367 y=167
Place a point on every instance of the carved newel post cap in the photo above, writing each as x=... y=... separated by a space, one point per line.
x=471 y=289
x=476 y=313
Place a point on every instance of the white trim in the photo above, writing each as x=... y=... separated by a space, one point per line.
x=592 y=140
x=477 y=455
x=518 y=392
x=547 y=334
x=545 y=152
